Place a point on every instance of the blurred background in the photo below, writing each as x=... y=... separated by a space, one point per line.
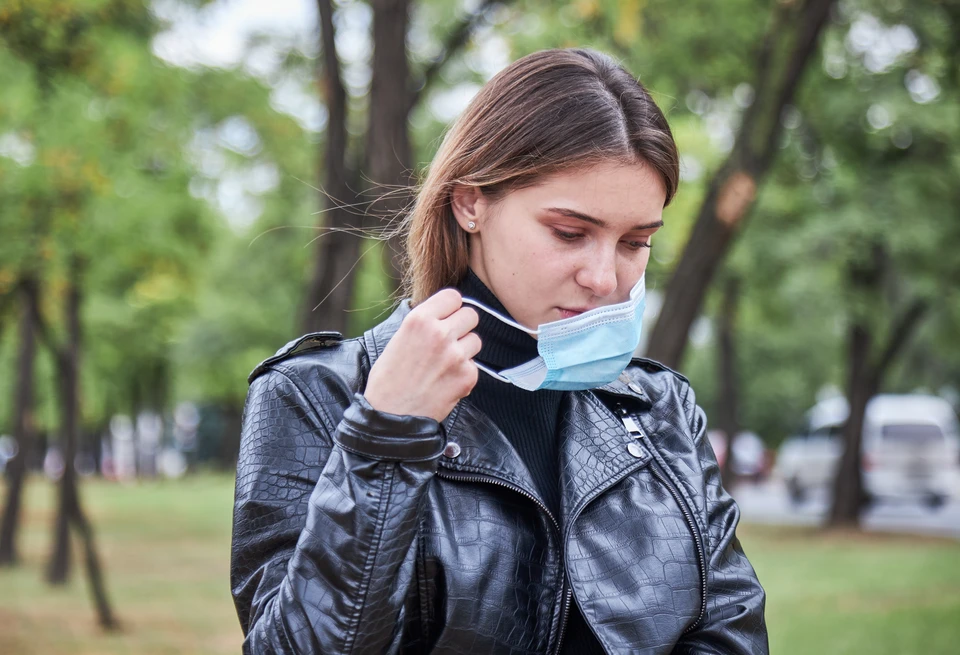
x=181 y=187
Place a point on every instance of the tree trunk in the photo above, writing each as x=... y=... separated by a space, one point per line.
x=865 y=377
x=728 y=419
x=69 y=507
x=864 y=381
x=389 y=159
x=68 y=359
x=731 y=193
x=848 y=495
x=229 y=448
x=23 y=429
x=388 y=155
x=330 y=290
x=98 y=591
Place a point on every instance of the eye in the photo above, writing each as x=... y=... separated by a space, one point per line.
x=637 y=245
x=566 y=236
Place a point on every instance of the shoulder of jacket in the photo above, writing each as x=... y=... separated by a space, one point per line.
x=654 y=370
x=665 y=387
x=311 y=342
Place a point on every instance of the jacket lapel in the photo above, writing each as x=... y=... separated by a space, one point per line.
x=484 y=449
x=594 y=452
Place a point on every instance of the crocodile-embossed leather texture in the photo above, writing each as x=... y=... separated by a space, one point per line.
x=354 y=533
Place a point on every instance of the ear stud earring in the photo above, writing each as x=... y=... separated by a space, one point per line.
x=471 y=225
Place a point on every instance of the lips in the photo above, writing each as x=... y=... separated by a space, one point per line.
x=566 y=312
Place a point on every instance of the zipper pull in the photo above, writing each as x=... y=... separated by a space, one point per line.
x=633 y=429
x=632 y=426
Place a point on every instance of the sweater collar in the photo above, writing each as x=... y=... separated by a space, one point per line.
x=594 y=455
x=503 y=346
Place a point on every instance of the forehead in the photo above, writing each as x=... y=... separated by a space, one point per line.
x=613 y=192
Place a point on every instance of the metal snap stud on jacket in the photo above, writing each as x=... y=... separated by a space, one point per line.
x=351 y=535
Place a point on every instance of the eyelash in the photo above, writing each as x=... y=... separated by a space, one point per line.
x=573 y=236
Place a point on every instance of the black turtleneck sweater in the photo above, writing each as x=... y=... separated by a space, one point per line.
x=528 y=419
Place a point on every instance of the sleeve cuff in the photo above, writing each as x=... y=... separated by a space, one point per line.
x=380 y=435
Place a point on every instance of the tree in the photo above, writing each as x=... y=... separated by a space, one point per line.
x=71 y=198
x=732 y=191
x=866 y=372
x=728 y=416
x=888 y=118
x=396 y=89
x=337 y=251
x=69 y=509
x=23 y=420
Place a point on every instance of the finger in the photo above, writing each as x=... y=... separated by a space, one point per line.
x=471 y=375
x=470 y=345
x=461 y=322
x=441 y=304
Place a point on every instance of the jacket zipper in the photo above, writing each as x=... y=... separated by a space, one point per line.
x=657 y=473
x=565 y=611
x=634 y=431
x=696 y=539
x=565 y=591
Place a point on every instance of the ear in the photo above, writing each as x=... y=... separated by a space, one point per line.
x=469 y=206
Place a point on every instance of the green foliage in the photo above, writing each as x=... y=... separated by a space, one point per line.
x=863 y=161
x=840 y=183
x=126 y=161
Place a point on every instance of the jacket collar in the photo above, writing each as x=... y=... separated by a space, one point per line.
x=593 y=453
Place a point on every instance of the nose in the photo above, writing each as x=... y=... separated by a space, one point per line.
x=599 y=274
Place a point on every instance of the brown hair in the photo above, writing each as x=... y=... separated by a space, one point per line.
x=549 y=111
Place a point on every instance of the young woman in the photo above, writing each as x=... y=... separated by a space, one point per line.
x=488 y=470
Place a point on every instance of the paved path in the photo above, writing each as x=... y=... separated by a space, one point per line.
x=768 y=503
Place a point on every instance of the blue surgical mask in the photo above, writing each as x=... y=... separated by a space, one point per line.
x=581 y=352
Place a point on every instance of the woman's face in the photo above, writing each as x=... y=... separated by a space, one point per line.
x=575 y=241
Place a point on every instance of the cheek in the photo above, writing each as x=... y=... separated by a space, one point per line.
x=644 y=259
x=532 y=264
x=520 y=249
x=630 y=271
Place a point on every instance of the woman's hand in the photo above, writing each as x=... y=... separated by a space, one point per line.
x=428 y=365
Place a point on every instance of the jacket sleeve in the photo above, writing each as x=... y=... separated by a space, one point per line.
x=325 y=520
x=733 y=620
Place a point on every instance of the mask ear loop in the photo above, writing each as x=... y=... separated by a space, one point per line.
x=491 y=372
x=486 y=369
x=499 y=316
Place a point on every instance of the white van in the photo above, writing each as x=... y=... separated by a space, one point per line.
x=911 y=449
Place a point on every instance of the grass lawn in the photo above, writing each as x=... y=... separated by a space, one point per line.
x=166 y=550
x=165 y=547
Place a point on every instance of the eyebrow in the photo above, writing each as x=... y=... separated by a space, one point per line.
x=570 y=213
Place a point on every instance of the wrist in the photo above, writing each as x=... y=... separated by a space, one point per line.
x=383 y=435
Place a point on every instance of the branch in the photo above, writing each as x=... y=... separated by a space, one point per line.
x=903 y=327
x=338 y=172
x=456 y=40
x=336 y=93
x=331 y=62
x=815 y=14
x=773 y=34
x=47 y=338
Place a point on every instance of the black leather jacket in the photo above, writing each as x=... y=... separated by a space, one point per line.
x=357 y=531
